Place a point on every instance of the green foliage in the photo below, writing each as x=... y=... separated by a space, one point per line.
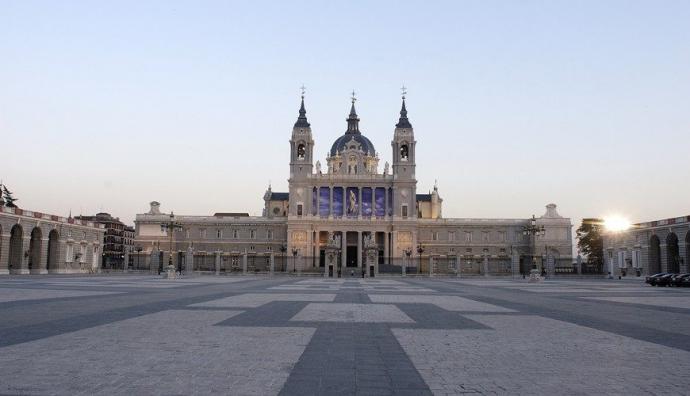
x=590 y=241
x=9 y=199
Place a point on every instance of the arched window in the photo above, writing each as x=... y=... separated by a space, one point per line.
x=301 y=151
x=404 y=152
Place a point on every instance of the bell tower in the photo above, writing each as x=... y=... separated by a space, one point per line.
x=301 y=146
x=405 y=184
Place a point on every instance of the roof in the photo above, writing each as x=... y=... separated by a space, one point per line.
x=344 y=141
x=280 y=196
x=230 y=214
x=424 y=197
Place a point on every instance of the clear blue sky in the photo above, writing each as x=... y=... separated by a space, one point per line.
x=515 y=104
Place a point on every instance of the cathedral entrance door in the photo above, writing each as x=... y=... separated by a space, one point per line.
x=351 y=256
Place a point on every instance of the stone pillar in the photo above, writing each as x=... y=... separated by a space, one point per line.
x=682 y=252
x=458 y=263
x=485 y=265
x=244 y=263
x=24 y=259
x=217 y=254
x=431 y=266
x=4 y=253
x=386 y=252
x=343 y=251
x=125 y=262
x=43 y=261
x=550 y=265
x=272 y=264
x=189 y=262
x=664 y=259
x=359 y=245
x=578 y=265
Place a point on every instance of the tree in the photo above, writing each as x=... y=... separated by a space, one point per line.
x=589 y=240
x=9 y=199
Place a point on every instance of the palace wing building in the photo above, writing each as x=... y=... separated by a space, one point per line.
x=335 y=216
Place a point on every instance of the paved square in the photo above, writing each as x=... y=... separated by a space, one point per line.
x=254 y=335
x=364 y=313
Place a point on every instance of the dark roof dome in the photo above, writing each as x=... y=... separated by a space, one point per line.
x=353 y=134
x=345 y=141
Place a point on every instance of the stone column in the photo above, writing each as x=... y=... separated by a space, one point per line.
x=386 y=252
x=330 y=202
x=125 y=262
x=43 y=261
x=485 y=265
x=578 y=265
x=189 y=262
x=272 y=264
x=431 y=266
x=343 y=251
x=4 y=253
x=359 y=247
x=217 y=254
x=458 y=263
x=244 y=263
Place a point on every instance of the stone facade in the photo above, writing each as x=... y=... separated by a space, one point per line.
x=351 y=205
x=649 y=248
x=38 y=243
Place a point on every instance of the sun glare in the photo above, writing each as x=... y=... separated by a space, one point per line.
x=616 y=223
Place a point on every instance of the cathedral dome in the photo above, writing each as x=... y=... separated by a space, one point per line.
x=350 y=140
x=353 y=138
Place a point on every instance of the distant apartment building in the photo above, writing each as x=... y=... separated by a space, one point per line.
x=119 y=239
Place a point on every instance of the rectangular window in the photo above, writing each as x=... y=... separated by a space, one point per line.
x=186 y=234
x=82 y=254
x=366 y=201
x=451 y=236
x=269 y=248
x=485 y=236
x=404 y=211
x=219 y=234
x=252 y=234
x=324 y=201
x=434 y=236
x=468 y=236
x=235 y=234
x=338 y=201
x=299 y=210
x=380 y=201
x=501 y=236
x=202 y=233
x=269 y=234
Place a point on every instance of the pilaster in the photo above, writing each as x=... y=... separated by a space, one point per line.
x=4 y=253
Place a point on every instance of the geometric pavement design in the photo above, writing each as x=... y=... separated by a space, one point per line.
x=139 y=334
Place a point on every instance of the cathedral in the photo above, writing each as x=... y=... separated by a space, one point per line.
x=353 y=216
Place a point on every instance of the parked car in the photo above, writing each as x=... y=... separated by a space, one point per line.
x=676 y=281
x=665 y=280
x=652 y=278
x=685 y=282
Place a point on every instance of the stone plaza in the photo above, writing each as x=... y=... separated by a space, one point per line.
x=263 y=335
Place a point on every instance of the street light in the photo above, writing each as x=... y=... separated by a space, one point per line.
x=294 y=258
x=170 y=228
x=408 y=253
x=283 y=249
x=138 y=249
x=420 y=250
x=533 y=230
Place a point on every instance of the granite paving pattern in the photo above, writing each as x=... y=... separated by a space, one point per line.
x=290 y=335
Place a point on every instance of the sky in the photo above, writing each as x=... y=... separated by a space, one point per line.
x=106 y=106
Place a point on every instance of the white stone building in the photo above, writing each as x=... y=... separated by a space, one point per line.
x=649 y=248
x=348 y=206
x=39 y=243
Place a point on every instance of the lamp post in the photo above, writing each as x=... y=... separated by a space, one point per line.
x=138 y=249
x=283 y=249
x=294 y=258
x=420 y=250
x=533 y=230
x=408 y=253
x=170 y=228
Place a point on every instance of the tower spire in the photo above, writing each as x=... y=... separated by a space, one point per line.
x=353 y=120
x=302 y=119
x=403 y=122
